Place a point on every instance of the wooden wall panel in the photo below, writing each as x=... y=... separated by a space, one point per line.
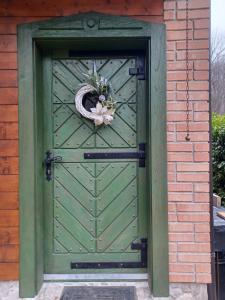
x=15 y=12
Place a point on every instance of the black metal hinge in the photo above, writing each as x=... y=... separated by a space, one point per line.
x=139 y=70
x=142 y=246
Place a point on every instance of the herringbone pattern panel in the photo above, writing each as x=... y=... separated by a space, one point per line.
x=95 y=207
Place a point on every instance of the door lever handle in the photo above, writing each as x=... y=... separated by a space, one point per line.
x=49 y=159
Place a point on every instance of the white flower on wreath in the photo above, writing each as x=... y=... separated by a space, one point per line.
x=103 y=114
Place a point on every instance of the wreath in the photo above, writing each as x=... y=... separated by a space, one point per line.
x=94 y=99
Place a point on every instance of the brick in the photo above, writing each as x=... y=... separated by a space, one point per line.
x=202 y=237
x=193 y=45
x=193 y=14
x=178 y=106
x=203 y=278
x=169 y=5
x=181 y=227
x=193 y=126
x=201 y=187
x=170 y=55
x=193 y=217
x=193 y=247
x=193 y=96
x=180 y=277
x=201 y=106
x=172 y=217
x=201 y=116
x=176 y=35
x=193 y=177
x=169 y=15
x=193 y=55
x=202 y=65
x=181 y=237
x=177 y=197
x=184 y=147
x=193 y=86
x=192 y=167
x=178 y=25
x=180 y=187
x=202 y=23
x=172 y=247
x=202 y=197
x=181 y=156
x=198 y=258
x=172 y=257
x=8 y=113
x=201 y=147
x=178 y=66
x=201 y=75
x=176 y=116
x=178 y=75
x=181 y=268
x=193 y=4
x=201 y=156
x=195 y=136
x=172 y=207
x=203 y=268
x=201 y=34
x=202 y=228
x=192 y=207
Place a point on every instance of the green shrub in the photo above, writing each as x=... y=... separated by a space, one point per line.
x=218 y=155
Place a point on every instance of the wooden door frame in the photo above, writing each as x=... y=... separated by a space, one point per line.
x=86 y=29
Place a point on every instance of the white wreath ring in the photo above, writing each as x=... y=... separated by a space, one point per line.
x=100 y=114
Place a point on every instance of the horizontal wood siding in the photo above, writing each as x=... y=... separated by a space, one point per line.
x=12 y=13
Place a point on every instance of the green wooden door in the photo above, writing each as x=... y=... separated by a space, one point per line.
x=94 y=209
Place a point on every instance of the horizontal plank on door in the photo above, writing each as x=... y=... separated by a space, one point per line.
x=9 y=200
x=9 y=218
x=8 y=148
x=8 y=95
x=8 y=61
x=9 y=183
x=9 y=271
x=9 y=253
x=9 y=236
x=55 y=7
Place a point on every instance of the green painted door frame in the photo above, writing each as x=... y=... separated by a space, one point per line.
x=91 y=31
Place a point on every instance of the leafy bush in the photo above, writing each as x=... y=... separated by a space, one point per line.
x=218 y=155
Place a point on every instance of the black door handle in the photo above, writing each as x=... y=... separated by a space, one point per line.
x=49 y=159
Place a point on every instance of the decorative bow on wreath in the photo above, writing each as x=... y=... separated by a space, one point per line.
x=100 y=89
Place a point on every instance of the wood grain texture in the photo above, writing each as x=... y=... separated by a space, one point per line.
x=9 y=236
x=9 y=130
x=9 y=271
x=9 y=253
x=8 y=95
x=55 y=8
x=9 y=200
x=9 y=218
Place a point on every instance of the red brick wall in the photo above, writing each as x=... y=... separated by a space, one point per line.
x=188 y=162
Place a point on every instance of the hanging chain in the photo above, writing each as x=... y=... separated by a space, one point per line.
x=187 y=137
